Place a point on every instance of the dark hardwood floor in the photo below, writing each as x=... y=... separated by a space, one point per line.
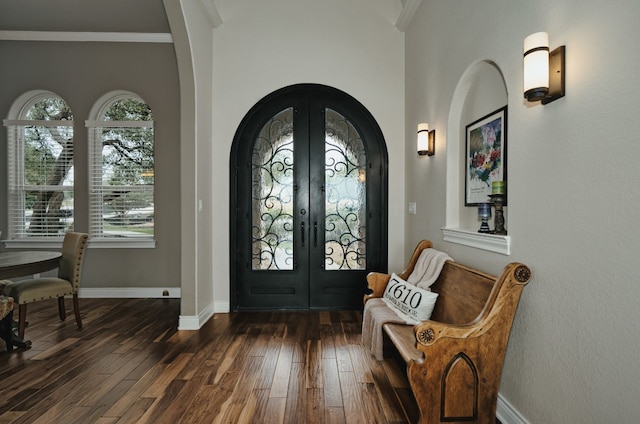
x=129 y=364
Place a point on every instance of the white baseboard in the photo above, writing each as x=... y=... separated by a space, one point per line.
x=193 y=322
x=130 y=292
x=188 y=322
x=507 y=414
x=221 y=307
x=185 y=322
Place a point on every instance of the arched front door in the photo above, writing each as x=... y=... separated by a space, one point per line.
x=308 y=201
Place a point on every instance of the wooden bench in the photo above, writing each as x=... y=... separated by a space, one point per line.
x=454 y=360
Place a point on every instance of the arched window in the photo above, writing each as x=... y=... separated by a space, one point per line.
x=121 y=169
x=40 y=167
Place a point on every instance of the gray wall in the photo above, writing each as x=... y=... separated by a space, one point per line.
x=572 y=186
x=81 y=72
x=83 y=15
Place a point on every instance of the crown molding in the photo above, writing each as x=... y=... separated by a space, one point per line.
x=100 y=37
x=210 y=7
x=409 y=8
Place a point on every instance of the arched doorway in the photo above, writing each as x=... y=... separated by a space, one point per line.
x=308 y=201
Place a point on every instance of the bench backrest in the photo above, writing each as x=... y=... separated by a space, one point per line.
x=462 y=293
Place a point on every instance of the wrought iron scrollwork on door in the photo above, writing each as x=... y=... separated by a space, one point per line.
x=273 y=195
x=345 y=194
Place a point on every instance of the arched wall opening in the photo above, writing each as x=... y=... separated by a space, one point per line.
x=480 y=91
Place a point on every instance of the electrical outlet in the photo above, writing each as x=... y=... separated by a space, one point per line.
x=412 y=208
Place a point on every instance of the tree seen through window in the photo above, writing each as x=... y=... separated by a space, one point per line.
x=123 y=172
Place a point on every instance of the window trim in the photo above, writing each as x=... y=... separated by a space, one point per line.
x=55 y=243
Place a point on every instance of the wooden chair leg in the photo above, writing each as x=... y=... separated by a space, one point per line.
x=76 y=310
x=61 y=309
x=5 y=330
x=22 y=319
x=10 y=338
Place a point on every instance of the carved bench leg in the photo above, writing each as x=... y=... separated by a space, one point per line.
x=451 y=390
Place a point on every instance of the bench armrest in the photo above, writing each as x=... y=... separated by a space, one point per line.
x=377 y=282
x=497 y=315
x=428 y=332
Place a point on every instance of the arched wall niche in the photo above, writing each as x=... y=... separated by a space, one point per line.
x=480 y=91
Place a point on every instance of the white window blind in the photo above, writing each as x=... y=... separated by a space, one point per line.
x=40 y=178
x=121 y=180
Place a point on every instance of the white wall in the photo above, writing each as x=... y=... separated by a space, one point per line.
x=573 y=193
x=263 y=46
x=191 y=31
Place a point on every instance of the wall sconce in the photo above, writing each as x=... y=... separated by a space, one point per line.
x=543 y=71
x=426 y=140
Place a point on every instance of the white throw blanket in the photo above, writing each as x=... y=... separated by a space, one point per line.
x=376 y=312
x=428 y=268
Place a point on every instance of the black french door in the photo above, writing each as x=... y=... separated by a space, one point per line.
x=308 y=206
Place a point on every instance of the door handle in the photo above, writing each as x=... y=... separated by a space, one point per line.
x=302 y=233
x=315 y=233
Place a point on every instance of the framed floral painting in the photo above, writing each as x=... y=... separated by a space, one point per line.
x=486 y=156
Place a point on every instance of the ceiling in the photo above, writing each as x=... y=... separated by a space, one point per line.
x=126 y=16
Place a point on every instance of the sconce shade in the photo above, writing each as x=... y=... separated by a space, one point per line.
x=543 y=70
x=426 y=140
x=423 y=138
x=536 y=66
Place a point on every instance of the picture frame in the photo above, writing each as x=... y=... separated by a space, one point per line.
x=485 y=156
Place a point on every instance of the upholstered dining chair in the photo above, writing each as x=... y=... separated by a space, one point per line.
x=6 y=318
x=66 y=283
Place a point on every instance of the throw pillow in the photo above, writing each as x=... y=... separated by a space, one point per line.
x=410 y=300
